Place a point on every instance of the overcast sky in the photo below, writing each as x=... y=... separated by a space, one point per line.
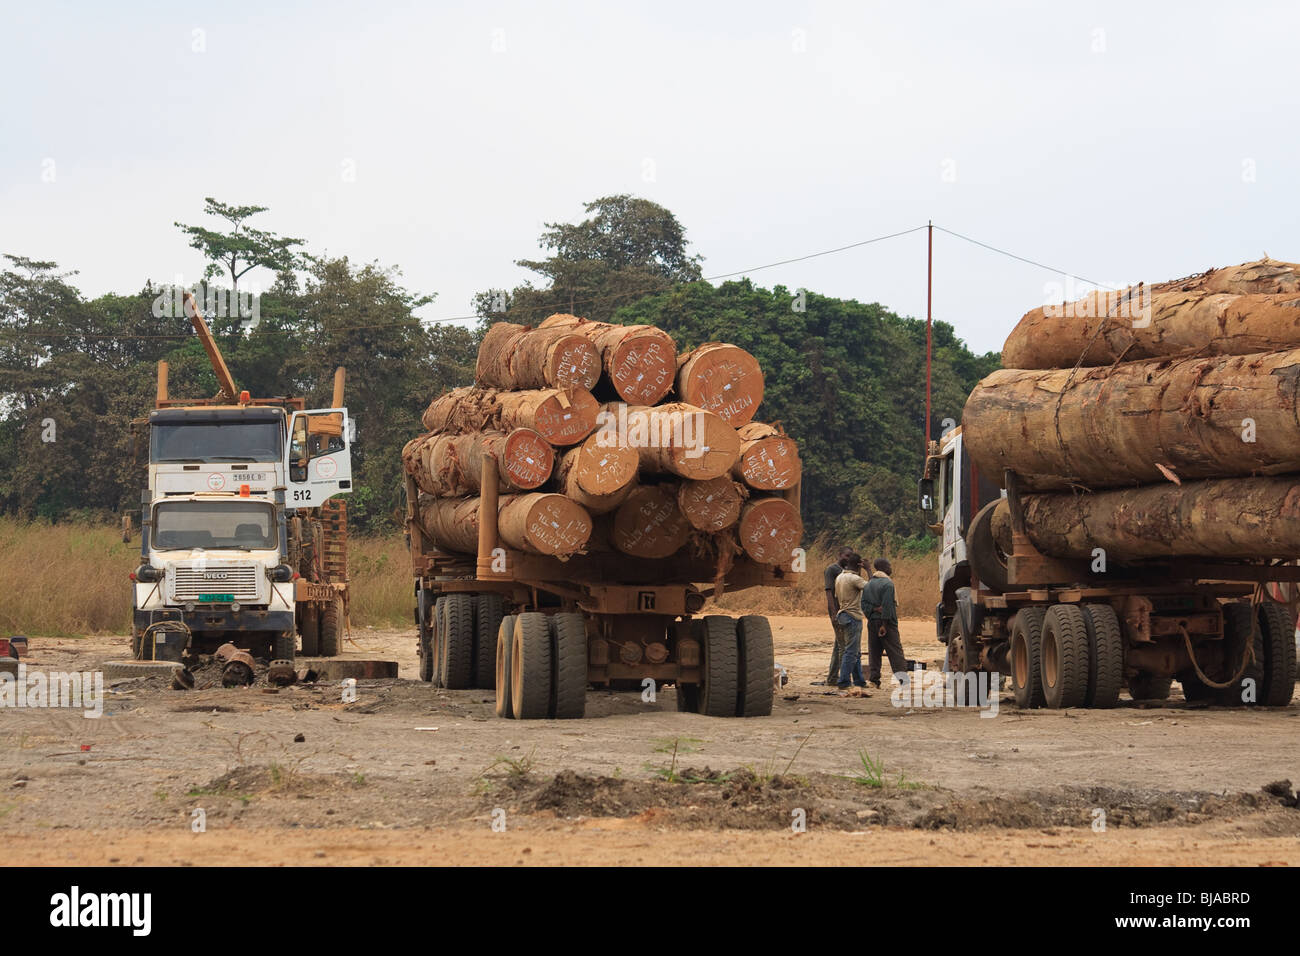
x=1118 y=141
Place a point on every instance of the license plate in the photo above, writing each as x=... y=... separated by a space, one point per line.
x=217 y=598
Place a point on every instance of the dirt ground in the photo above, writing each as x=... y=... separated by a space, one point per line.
x=407 y=774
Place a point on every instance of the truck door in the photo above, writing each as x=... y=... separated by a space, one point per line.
x=318 y=462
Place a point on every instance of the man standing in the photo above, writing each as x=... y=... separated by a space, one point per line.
x=848 y=595
x=882 y=623
x=832 y=608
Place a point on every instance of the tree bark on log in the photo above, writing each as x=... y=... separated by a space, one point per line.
x=517 y=357
x=1232 y=518
x=723 y=379
x=1133 y=325
x=1200 y=418
x=676 y=438
x=639 y=361
x=596 y=476
x=447 y=465
x=649 y=524
x=769 y=460
x=711 y=505
x=538 y=523
x=561 y=416
x=770 y=530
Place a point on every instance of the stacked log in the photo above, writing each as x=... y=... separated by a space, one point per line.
x=1237 y=311
x=516 y=356
x=723 y=379
x=712 y=504
x=448 y=465
x=596 y=475
x=677 y=467
x=639 y=360
x=561 y=416
x=769 y=459
x=538 y=523
x=1166 y=436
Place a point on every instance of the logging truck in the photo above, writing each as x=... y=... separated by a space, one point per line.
x=242 y=537
x=1072 y=627
x=541 y=629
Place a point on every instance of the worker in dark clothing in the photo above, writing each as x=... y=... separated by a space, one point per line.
x=832 y=607
x=881 y=612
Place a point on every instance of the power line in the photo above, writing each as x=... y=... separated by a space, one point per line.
x=1012 y=255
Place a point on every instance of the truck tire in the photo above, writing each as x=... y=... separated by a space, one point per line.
x=489 y=609
x=457 y=661
x=983 y=555
x=437 y=639
x=530 y=667
x=1064 y=657
x=569 y=655
x=1105 y=656
x=1025 y=654
x=505 y=655
x=284 y=645
x=423 y=612
x=309 y=629
x=756 y=664
x=962 y=655
x=331 y=628
x=1277 y=634
x=719 y=688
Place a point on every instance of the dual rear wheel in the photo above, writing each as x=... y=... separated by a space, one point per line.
x=1066 y=655
x=458 y=641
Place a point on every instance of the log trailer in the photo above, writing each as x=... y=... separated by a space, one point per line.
x=1072 y=632
x=242 y=537
x=539 y=629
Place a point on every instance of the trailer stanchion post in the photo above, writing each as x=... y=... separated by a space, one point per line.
x=487 y=516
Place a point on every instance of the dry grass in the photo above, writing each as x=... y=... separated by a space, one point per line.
x=916 y=584
x=71 y=579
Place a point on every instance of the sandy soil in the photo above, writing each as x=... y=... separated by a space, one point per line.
x=408 y=774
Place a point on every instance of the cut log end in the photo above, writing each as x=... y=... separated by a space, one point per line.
x=711 y=505
x=770 y=530
x=573 y=362
x=769 y=464
x=723 y=379
x=641 y=366
x=602 y=469
x=545 y=524
x=527 y=459
x=649 y=524
x=564 y=418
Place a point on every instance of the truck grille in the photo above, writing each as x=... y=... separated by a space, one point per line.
x=239 y=581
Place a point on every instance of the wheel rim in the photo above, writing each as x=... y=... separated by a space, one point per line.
x=957 y=654
x=1051 y=660
x=1020 y=660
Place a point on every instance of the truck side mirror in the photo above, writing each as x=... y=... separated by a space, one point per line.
x=925 y=489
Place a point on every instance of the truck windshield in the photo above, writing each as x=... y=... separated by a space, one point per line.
x=181 y=525
x=215 y=441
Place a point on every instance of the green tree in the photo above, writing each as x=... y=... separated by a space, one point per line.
x=242 y=248
x=625 y=249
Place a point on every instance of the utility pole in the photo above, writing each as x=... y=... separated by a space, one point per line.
x=929 y=324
